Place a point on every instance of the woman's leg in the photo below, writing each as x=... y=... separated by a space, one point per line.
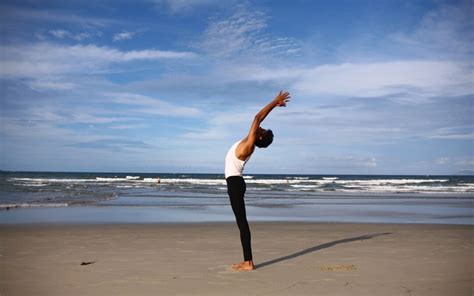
x=236 y=189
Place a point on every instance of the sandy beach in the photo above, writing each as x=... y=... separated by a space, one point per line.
x=194 y=259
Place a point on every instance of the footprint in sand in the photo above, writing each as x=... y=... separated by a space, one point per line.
x=224 y=271
x=339 y=267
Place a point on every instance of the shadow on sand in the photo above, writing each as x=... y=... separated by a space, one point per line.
x=320 y=247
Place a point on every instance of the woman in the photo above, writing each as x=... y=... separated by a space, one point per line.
x=235 y=161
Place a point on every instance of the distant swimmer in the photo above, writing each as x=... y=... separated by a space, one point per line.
x=158 y=180
x=235 y=160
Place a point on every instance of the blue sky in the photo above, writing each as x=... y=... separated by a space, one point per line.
x=378 y=87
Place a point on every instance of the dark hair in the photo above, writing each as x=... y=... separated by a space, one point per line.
x=266 y=140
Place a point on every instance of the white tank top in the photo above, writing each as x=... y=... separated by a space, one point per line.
x=233 y=165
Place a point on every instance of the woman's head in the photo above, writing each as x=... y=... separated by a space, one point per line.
x=264 y=138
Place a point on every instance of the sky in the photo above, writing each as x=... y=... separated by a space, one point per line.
x=377 y=87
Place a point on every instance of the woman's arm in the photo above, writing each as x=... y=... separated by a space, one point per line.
x=246 y=147
x=280 y=100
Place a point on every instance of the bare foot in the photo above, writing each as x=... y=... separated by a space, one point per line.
x=244 y=265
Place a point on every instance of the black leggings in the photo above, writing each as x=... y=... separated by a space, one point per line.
x=236 y=189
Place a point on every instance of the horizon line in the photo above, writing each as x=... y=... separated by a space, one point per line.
x=256 y=174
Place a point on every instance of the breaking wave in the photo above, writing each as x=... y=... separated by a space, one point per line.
x=354 y=184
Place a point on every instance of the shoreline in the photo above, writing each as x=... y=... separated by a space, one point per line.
x=215 y=223
x=292 y=258
x=452 y=213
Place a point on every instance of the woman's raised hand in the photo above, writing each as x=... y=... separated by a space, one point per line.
x=282 y=98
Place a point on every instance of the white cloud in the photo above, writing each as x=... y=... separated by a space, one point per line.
x=149 y=105
x=243 y=34
x=442 y=160
x=151 y=54
x=345 y=162
x=40 y=36
x=429 y=78
x=223 y=125
x=113 y=144
x=453 y=133
x=133 y=110
x=81 y=36
x=468 y=136
x=22 y=14
x=410 y=79
x=404 y=80
x=45 y=132
x=60 y=33
x=41 y=85
x=123 y=36
x=55 y=115
x=33 y=60
x=185 y=6
x=445 y=31
x=466 y=162
x=460 y=162
x=128 y=126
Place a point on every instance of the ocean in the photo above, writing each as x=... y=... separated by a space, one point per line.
x=35 y=197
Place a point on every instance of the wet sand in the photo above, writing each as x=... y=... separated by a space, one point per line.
x=292 y=258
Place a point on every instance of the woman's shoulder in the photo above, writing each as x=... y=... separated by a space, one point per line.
x=244 y=149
